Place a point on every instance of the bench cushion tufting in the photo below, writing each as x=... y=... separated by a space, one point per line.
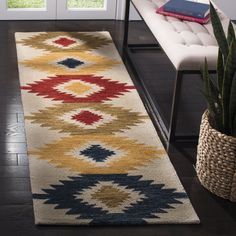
x=185 y=43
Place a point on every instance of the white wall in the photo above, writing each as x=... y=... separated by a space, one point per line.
x=121 y=11
x=228 y=7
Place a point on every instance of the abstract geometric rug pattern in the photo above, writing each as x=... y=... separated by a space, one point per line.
x=95 y=157
x=66 y=41
x=72 y=63
x=86 y=118
x=98 y=154
x=78 y=88
x=111 y=198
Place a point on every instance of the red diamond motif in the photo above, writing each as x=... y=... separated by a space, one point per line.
x=48 y=88
x=87 y=117
x=65 y=42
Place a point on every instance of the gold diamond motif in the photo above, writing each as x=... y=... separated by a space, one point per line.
x=110 y=196
x=128 y=154
x=78 y=88
x=92 y=63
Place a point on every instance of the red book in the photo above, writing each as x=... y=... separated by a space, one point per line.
x=161 y=11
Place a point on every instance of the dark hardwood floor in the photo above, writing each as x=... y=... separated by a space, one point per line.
x=218 y=216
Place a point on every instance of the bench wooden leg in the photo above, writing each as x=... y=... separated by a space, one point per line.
x=126 y=28
x=175 y=106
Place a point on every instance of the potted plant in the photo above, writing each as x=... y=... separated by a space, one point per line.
x=216 y=154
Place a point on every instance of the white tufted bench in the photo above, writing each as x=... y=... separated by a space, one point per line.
x=185 y=43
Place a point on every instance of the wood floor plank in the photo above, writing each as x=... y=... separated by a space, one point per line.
x=23 y=160
x=15 y=100
x=13 y=132
x=14 y=212
x=6 y=117
x=11 y=108
x=20 y=117
x=16 y=198
x=14 y=171
x=8 y=160
x=13 y=147
x=14 y=184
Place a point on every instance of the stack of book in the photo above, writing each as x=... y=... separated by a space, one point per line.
x=186 y=10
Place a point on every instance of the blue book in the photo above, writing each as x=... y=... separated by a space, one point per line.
x=187 y=8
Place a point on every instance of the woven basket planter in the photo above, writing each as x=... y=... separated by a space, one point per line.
x=216 y=161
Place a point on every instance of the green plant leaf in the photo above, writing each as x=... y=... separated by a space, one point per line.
x=214 y=93
x=231 y=33
x=219 y=32
x=206 y=88
x=221 y=98
x=232 y=105
x=230 y=68
x=211 y=94
x=220 y=70
x=234 y=127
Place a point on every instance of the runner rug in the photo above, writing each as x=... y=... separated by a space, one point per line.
x=95 y=157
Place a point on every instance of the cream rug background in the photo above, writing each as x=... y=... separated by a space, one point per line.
x=95 y=157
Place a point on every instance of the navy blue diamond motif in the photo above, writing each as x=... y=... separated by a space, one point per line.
x=97 y=153
x=158 y=199
x=71 y=63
